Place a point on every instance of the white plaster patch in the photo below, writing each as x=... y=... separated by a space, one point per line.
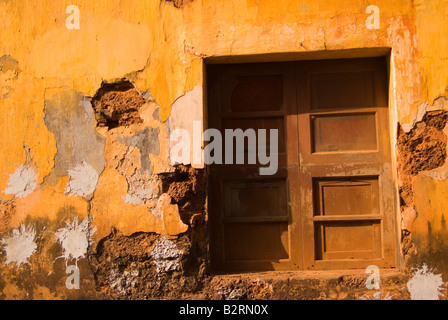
x=185 y=112
x=22 y=182
x=133 y=200
x=20 y=245
x=166 y=256
x=75 y=238
x=440 y=174
x=122 y=281
x=142 y=190
x=83 y=180
x=163 y=202
x=440 y=103
x=408 y=216
x=404 y=50
x=87 y=105
x=425 y=285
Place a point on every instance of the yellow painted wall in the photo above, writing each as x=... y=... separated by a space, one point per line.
x=161 y=48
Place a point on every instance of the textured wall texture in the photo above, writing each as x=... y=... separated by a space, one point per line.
x=85 y=119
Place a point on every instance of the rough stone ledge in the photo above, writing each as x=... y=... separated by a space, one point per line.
x=311 y=274
x=307 y=285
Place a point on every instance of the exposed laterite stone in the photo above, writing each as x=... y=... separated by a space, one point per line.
x=424 y=147
x=187 y=187
x=147 y=265
x=117 y=104
x=143 y=266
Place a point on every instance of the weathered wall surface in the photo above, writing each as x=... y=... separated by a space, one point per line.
x=85 y=171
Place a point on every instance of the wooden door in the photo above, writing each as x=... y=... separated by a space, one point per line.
x=253 y=217
x=330 y=203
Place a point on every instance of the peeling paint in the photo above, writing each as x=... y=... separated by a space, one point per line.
x=162 y=46
x=421 y=110
x=439 y=104
x=163 y=202
x=20 y=245
x=147 y=141
x=143 y=190
x=87 y=105
x=68 y=115
x=408 y=216
x=179 y=119
x=143 y=187
x=22 y=182
x=9 y=71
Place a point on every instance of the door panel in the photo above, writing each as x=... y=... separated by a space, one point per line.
x=345 y=164
x=346 y=197
x=256 y=241
x=336 y=90
x=344 y=132
x=252 y=93
x=348 y=240
x=251 y=221
x=256 y=198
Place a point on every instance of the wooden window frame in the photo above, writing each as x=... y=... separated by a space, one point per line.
x=301 y=167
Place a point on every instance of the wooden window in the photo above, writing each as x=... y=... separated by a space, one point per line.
x=330 y=203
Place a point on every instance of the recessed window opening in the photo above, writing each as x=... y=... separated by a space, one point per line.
x=330 y=204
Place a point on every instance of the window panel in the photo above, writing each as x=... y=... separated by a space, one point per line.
x=256 y=241
x=342 y=90
x=252 y=93
x=344 y=132
x=347 y=196
x=255 y=198
x=348 y=240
